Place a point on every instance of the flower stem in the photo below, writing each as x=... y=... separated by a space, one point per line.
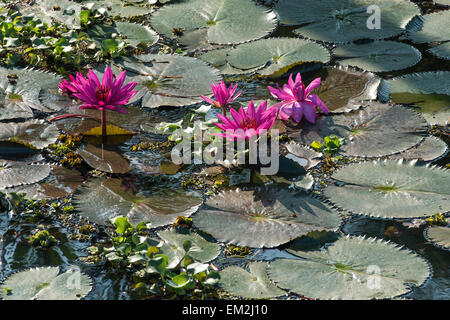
x=224 y=110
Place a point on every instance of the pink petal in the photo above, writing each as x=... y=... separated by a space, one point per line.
x=313 y=85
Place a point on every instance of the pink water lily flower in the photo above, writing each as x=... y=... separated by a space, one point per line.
x=244 y=125
x=223 y=95
x=298 y=101
x=66 y=86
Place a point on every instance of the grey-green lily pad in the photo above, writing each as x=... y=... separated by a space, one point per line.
x=430 y=91
x=441 y=51
x=346 y=20
x=101 y=200
x=373 y=131
x=64 y=11
x=303 y=155
x=14 y=173
x=34 y=133
x=352 y=268
x=169 y=80
x=392 y=189
x=276 y=55
x=430 y=149
x=45 y=284
x=227 y=21
x=194 y=245
x=264 y=218
x=342 y=89
x=103 y=159
x=439 y=236
x=378 y=56
x=435 y=28
x=125 y=9
x=217 y=58
x=251 y=285
x=132 y=33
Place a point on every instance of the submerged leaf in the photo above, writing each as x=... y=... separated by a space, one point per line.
x=391 y=189
x=103 y=159
x=351 y=268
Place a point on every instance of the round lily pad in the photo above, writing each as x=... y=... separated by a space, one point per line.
x=439 y=236
x=34 y=133
x=352 y=268
x=373 y=131
x=346 y=20
x=45 y=284
x=217 y=58
x=441 y=51
x=378 y=56
x=13 y=173
x=264 y=218
x=103 y=159
x=169 y=80
x=434 y=28
x=303 y=155
x=276 y=55
x=429 y=91
x=194 y=245
x=227 y=21
x=132 y=33
x=391 y=189
x=430 y=149
x=251 y=285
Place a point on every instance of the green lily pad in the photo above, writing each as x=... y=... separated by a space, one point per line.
x=217 y=58
x=430 y=91
x=34 y=133
x=439 y=236
x=194 y=245
x=430 y=149
x=378 y=56
x=352 y=268
x=227 y=21
x=391 y=189
x=132 y=33
x=345 y=20
x=373 y=131
x=276 y=55
x=264 y=218
x=441 y=51
x=434 y=28
x=45 y=284
x=101 y=200
x=169 y=80
x=13 y=173
x=251 y=285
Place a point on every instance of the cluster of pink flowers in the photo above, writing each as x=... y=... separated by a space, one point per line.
x=297 y=101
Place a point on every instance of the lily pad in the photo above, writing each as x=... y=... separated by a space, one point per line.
x=217 y=58
x=45 y=284
x=391 y=189
x=441 y=51
x=430 y=91
x=194 y=245
x=373 y=131
x=430 y=149
x=14 y=173
x=434 y=28
x=264 y=218
x=378 y=56
x=132 y=33
x=352 y=268
x=169 y=80
x=303 y=155
x=251 y=285
x=227 y=21
x=439 y=236
x=103 y=159
x=276 y=55
x=34 y=133
x=100 y=200
x=345 y=20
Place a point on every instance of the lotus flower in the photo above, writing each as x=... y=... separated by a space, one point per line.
x=109 y=94
x=244 y=125
x=223 y=95
x=297 y=101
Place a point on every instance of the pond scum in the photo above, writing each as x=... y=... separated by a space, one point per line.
x=99 y=97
